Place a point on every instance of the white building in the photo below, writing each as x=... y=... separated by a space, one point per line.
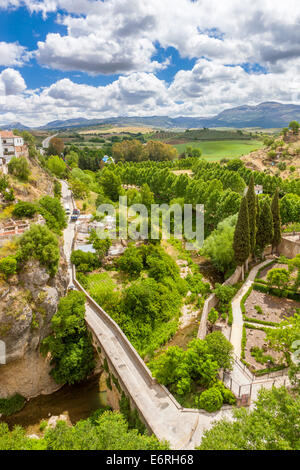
x=11 y=146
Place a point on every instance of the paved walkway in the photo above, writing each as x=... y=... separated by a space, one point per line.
x=237 y=324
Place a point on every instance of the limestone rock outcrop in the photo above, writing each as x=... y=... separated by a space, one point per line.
x=28 y=302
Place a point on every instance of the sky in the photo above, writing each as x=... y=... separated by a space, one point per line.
x=62 y=59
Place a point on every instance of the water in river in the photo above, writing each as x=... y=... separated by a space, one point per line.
x=76 y=401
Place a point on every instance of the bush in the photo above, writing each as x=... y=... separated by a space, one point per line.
x=131 y=261
x=9 y=406
x=228 y=396
x=53 y=212
x=19 y=167
x=213 y=316
x=41 y=244
x=224 y=293
x=278 y=277
x=210 y=400
x=8 y=265
x=83 y=261
x=24 y=209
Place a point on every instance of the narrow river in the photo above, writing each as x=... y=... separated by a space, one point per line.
x=75 y=401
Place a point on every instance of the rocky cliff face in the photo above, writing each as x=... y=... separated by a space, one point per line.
x=28 y=302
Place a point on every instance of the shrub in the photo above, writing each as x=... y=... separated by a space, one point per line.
x=228 y=396
x=258 y=309
x=83 y=261
x=213 y=316
x=278 y=277
x=19 y=167
x=24 y=209
x=53 y=212
x=224 y=293
x=210 y=400
x=8 y=265
x=131 y=261
x=9 y=406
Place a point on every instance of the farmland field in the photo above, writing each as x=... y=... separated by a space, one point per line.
x=119 y=130
x=216 y=150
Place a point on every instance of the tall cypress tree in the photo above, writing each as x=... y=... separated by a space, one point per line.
x=276 y=220
x=241 y=241
x=264 y=234
x=251 y=201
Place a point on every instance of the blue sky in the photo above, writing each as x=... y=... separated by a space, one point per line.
x=101 y=58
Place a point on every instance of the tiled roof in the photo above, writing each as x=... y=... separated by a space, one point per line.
x=6 y=134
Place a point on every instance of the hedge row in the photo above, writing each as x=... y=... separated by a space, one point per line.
x=277 y=292
x=260 y=322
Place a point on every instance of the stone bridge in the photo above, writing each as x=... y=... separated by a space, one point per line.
x=157 y=407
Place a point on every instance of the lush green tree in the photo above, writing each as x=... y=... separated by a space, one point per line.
x=278 y=277
x=109 y=431
x=41 y=244
x=101 y=247
x=70 y=346
x=290 y=208
x=220 y=348
x=159 y=151
x=19 y=167
x=104 y=430
x=57 y=189
x=224 y=292
x=276 y=220
x=272 y=425
x=251 y=200
x=283 y=337
x=241 y=241
x=57 y=166
x=56 y=146
x=53 y=212
x=79 y=189
x=83 y=261
x=294 y=126
x=218 y=246
x=131 y=261
x=128 y=150
x=72 y=159
x=228 y=205
x=179 y=368
x=147 y=197
x=111 y=184
x=265 y=226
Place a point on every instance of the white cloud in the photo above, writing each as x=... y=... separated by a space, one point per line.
x=206 y=89
x=117 y=36
x=12 y=54
x=11 y=82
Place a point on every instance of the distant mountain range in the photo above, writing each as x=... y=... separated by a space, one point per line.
x=265 y=115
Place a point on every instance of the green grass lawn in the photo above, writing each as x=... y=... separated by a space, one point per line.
x=216 y=150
